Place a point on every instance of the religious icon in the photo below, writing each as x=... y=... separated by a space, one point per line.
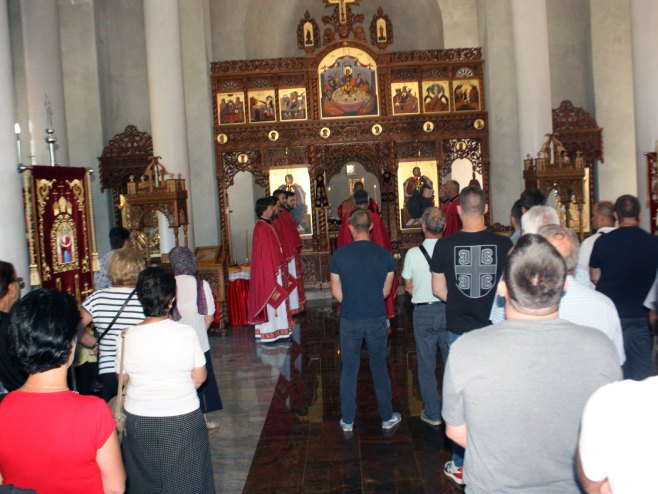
x=479 y=124
x=348 y=84
x=381 y=30
x=376 y=129
x=325 y=132
x=417 y=190
x=428 y=126
x=466 y=95
x=222 y=138
x=65 y=243
x=230 y=108
x=296 y=180
x=404 y=97
x=292 y=104
x=273 y=135
x=308 y=34
x=436 y=96
x=262 y=106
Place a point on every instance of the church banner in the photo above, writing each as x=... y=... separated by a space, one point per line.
x=60 y=231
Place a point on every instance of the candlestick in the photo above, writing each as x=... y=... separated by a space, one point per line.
x=246 y=241
x=17 y=131
x=49 y=113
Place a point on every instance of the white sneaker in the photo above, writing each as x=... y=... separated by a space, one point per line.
x=392 y=422
x=454 y=473
x=346 y=427
x=427 y=420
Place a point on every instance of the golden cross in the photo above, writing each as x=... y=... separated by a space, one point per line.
x=342 y=8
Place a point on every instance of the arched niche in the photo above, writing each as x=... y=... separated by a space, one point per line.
x=241 y=198
x=341 y=184
x=463 y=172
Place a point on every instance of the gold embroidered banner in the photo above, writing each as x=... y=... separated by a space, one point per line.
x=60 y=230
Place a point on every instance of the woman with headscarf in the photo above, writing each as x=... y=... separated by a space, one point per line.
x=195 y=306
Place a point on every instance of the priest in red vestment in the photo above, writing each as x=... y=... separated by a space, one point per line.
x=449 y=203
x=285 y=224
x=378 y=234
x=348 y=205
x=269 y=307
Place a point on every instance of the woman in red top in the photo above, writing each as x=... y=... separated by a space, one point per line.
x=51 y=439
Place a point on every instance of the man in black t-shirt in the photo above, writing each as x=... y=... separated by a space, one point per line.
x=361 y=277
x=466 y=267
x=623 y=266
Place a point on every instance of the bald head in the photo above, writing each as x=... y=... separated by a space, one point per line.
x=565 y=242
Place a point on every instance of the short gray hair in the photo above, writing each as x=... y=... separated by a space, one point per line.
x=433 y=220
x=565 y=242
x=537 y=216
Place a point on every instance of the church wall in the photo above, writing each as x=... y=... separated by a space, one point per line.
x=229 y=28
x=122 y=67
x=460 y=23
x=506 y=173
x=570 y=53
x=82 y=96
x=202 y=186
x=613 y=91
x=267 y=28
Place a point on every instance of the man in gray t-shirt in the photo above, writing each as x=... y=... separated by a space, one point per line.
x=513 y=393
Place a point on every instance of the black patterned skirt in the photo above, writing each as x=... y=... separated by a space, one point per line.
x=167 y=455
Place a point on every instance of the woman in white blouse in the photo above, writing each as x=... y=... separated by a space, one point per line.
x=165 y=446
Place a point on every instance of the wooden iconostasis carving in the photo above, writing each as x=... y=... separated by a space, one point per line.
x=348 y=101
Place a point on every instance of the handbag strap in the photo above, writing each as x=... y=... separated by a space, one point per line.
x=118 y=404
x=98 y=340
x=424 y=251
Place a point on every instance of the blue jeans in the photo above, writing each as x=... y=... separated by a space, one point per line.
x=352 y=334
x=429 y=332
x=638 y=345
x=457 y=450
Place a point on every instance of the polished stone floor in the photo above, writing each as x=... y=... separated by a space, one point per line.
x=279 y=429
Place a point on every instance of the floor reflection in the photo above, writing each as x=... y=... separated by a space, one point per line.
x=301 y=447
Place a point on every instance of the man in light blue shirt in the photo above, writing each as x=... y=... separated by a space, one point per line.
x=429 y=316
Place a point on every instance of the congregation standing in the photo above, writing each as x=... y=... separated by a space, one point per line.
x=535 y=333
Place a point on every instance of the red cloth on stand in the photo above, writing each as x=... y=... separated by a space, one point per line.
x=379 y=235
x=237 y=296
x=453 y=222
x=266 y=261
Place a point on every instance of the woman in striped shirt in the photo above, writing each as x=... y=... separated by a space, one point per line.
x=102 y=307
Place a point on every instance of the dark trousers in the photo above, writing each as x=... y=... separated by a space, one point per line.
x=352 y=334
x=638 y=345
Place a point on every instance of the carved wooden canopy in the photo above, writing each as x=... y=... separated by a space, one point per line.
x=126 y=154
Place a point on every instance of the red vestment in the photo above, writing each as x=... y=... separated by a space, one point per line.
x=453 y=222
x=267 y=262
x=348 y=205
x=379 y=235
x=285 y=224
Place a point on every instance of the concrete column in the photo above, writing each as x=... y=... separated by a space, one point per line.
x=195 y=39
x=644 y=16
x=13 y=247
x=612 y=67
x=533 y=76
x=167 y=98
x=43 y=76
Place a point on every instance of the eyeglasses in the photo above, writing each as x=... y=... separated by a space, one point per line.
x=21 y=283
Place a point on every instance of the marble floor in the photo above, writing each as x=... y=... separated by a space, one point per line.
x=279 y=428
